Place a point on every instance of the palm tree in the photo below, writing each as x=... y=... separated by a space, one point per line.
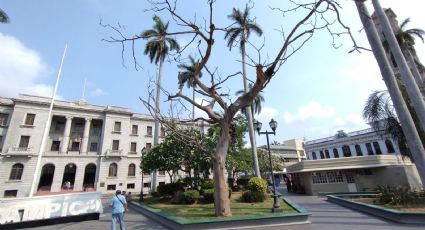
x=242 y=30
x=3 y=17
x=256 y=104
x=408 y=126
x=188 y=77
x=157 y=48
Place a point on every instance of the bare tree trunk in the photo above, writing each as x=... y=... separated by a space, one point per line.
x=407 y=124
x=154 y=182
x=221 y=199
x=408 y=80
x=249 y=115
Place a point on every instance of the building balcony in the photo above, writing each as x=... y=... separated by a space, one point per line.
x=355 y=162
x=19 y=152
x=114 y=153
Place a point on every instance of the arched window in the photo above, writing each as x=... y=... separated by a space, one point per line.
x=132 y=170
x=16 y=173
x=314 y=155
x=359 y=150
x=322 y=156
x=336 y=154
x=346 y=151
x=369 y=149
x=377 y=148
x=113 y=168
x=390 y=146
x=327 y=154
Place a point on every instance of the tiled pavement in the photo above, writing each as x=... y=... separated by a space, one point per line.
x=325 y=216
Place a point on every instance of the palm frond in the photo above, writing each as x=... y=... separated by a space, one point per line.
x=4 y=18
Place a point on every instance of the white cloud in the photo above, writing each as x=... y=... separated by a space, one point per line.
x=97 y=92
x=20 y=69
x=267 y=113
x=311 y=110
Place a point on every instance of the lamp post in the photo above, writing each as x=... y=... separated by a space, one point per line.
x=273 y=125
x=141 y=199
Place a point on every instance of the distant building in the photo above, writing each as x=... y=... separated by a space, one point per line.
x=88 y=147
x=352 y=162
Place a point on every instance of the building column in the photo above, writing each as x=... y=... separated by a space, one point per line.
x=85 y=136
x=353 y=150
x=363 y=148
x=66 y=134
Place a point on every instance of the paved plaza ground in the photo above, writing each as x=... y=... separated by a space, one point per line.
x=325 y=216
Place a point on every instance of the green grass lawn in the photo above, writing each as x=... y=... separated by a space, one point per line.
x=205 y=212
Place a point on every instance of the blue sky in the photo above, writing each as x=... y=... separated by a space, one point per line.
x=318 y=91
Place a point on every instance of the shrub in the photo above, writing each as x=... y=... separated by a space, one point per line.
x=190 y=197
x=208 y=196
x=253 y=196
x=207 y=184
x=169 y=189
x=256 y=184
x=242 y=182
x=395 y=195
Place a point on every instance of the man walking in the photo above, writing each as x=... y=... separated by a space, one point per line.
x=119 y=206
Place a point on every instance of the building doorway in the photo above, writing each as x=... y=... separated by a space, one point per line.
x=69 y=176
x=89 y=176
x=46 y=177
x=351 y=183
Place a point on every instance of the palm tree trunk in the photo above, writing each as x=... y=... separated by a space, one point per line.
x=408 y=80
x=193 y=104
x=413 y=140
x=221 y=192
x=154 y=182
x=414 y=67
x=249 y=116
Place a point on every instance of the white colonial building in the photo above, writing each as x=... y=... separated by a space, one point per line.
x=89 y=146
x=352 y=162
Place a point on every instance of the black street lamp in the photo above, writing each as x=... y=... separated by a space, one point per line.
x=141 y=199
x=273 y=126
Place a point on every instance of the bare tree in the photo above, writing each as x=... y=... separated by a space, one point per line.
x=317 y=15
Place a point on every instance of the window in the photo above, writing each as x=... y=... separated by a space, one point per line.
x=111 y=187
x=349 y=175
x=358 y=150
x=55 y=146
x=132 y=170
x=322 y=156
x=319 y=178
x=10 y=193
x=3 y=119
x=115 y=145
x=1 y=143
x=133 y=147
x=148 y=146
x=117 y=126
x=388 y=143
x=313 y=154
x=377 y=148
x=334 y=176
x=29 y=120
x=149 y=130
x=16 y=172
x=134 y=130
x=130 y=186
x=336 y=154
x=162 y=173
x=161 y=183
x=113 y=168
x=146 y=185
x=369 y=149
x=59 y=127
x=95 y=131
x=93 y=147
x=75 y=146
x=24 y=142
x=327 y=177
x=346 y=151
x=327 y=154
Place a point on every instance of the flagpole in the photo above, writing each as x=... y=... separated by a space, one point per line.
x=46 y=127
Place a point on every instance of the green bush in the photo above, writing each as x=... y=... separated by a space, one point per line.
x=208 y=196
x=395 y=195
x=242 y=182
x=207 y=184
x=253 y=196
x=190 y=197
x=169 y=189
x=256 y=184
